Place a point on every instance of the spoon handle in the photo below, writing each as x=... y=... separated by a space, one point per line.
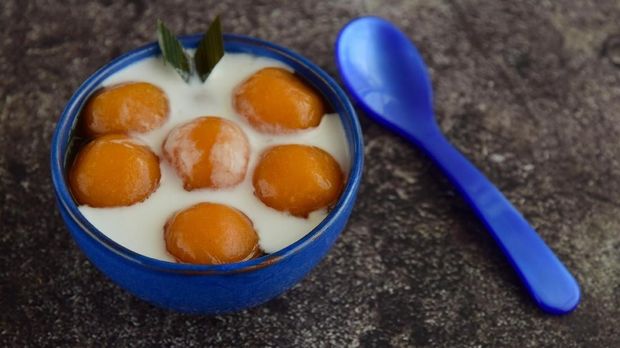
x=546 y=278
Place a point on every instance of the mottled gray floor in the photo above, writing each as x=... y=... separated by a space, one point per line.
x=527 y=89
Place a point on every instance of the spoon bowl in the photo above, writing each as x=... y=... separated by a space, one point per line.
x=386 y=75
x=394 y=89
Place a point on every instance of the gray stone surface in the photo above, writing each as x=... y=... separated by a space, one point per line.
x=529 y=90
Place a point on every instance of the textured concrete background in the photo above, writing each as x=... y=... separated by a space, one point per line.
x=529 y=90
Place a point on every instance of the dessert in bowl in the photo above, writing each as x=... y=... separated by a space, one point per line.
x=138 y=234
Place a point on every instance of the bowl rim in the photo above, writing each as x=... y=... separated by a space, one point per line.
x=64 y=128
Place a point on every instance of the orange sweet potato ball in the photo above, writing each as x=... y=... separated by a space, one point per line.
x=298 y=179
x=274 y=100
x=113 y=171
x=210 y=233
x=127 y=107
x=208 y=152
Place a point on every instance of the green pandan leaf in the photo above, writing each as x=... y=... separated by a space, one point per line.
x=172 y=51
x=210 y=50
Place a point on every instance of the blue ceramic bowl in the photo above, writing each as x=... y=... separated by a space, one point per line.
x=208 y=289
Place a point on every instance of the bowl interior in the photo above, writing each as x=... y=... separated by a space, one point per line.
x=333 y=94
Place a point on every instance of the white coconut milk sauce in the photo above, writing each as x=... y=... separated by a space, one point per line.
x=140 y=227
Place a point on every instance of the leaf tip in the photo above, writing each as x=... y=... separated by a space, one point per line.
x=210 y=49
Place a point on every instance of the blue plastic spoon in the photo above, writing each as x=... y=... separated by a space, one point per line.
x=386 y=75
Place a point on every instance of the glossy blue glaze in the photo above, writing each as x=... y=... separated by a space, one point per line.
x=204 y=288
x=385 y=73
